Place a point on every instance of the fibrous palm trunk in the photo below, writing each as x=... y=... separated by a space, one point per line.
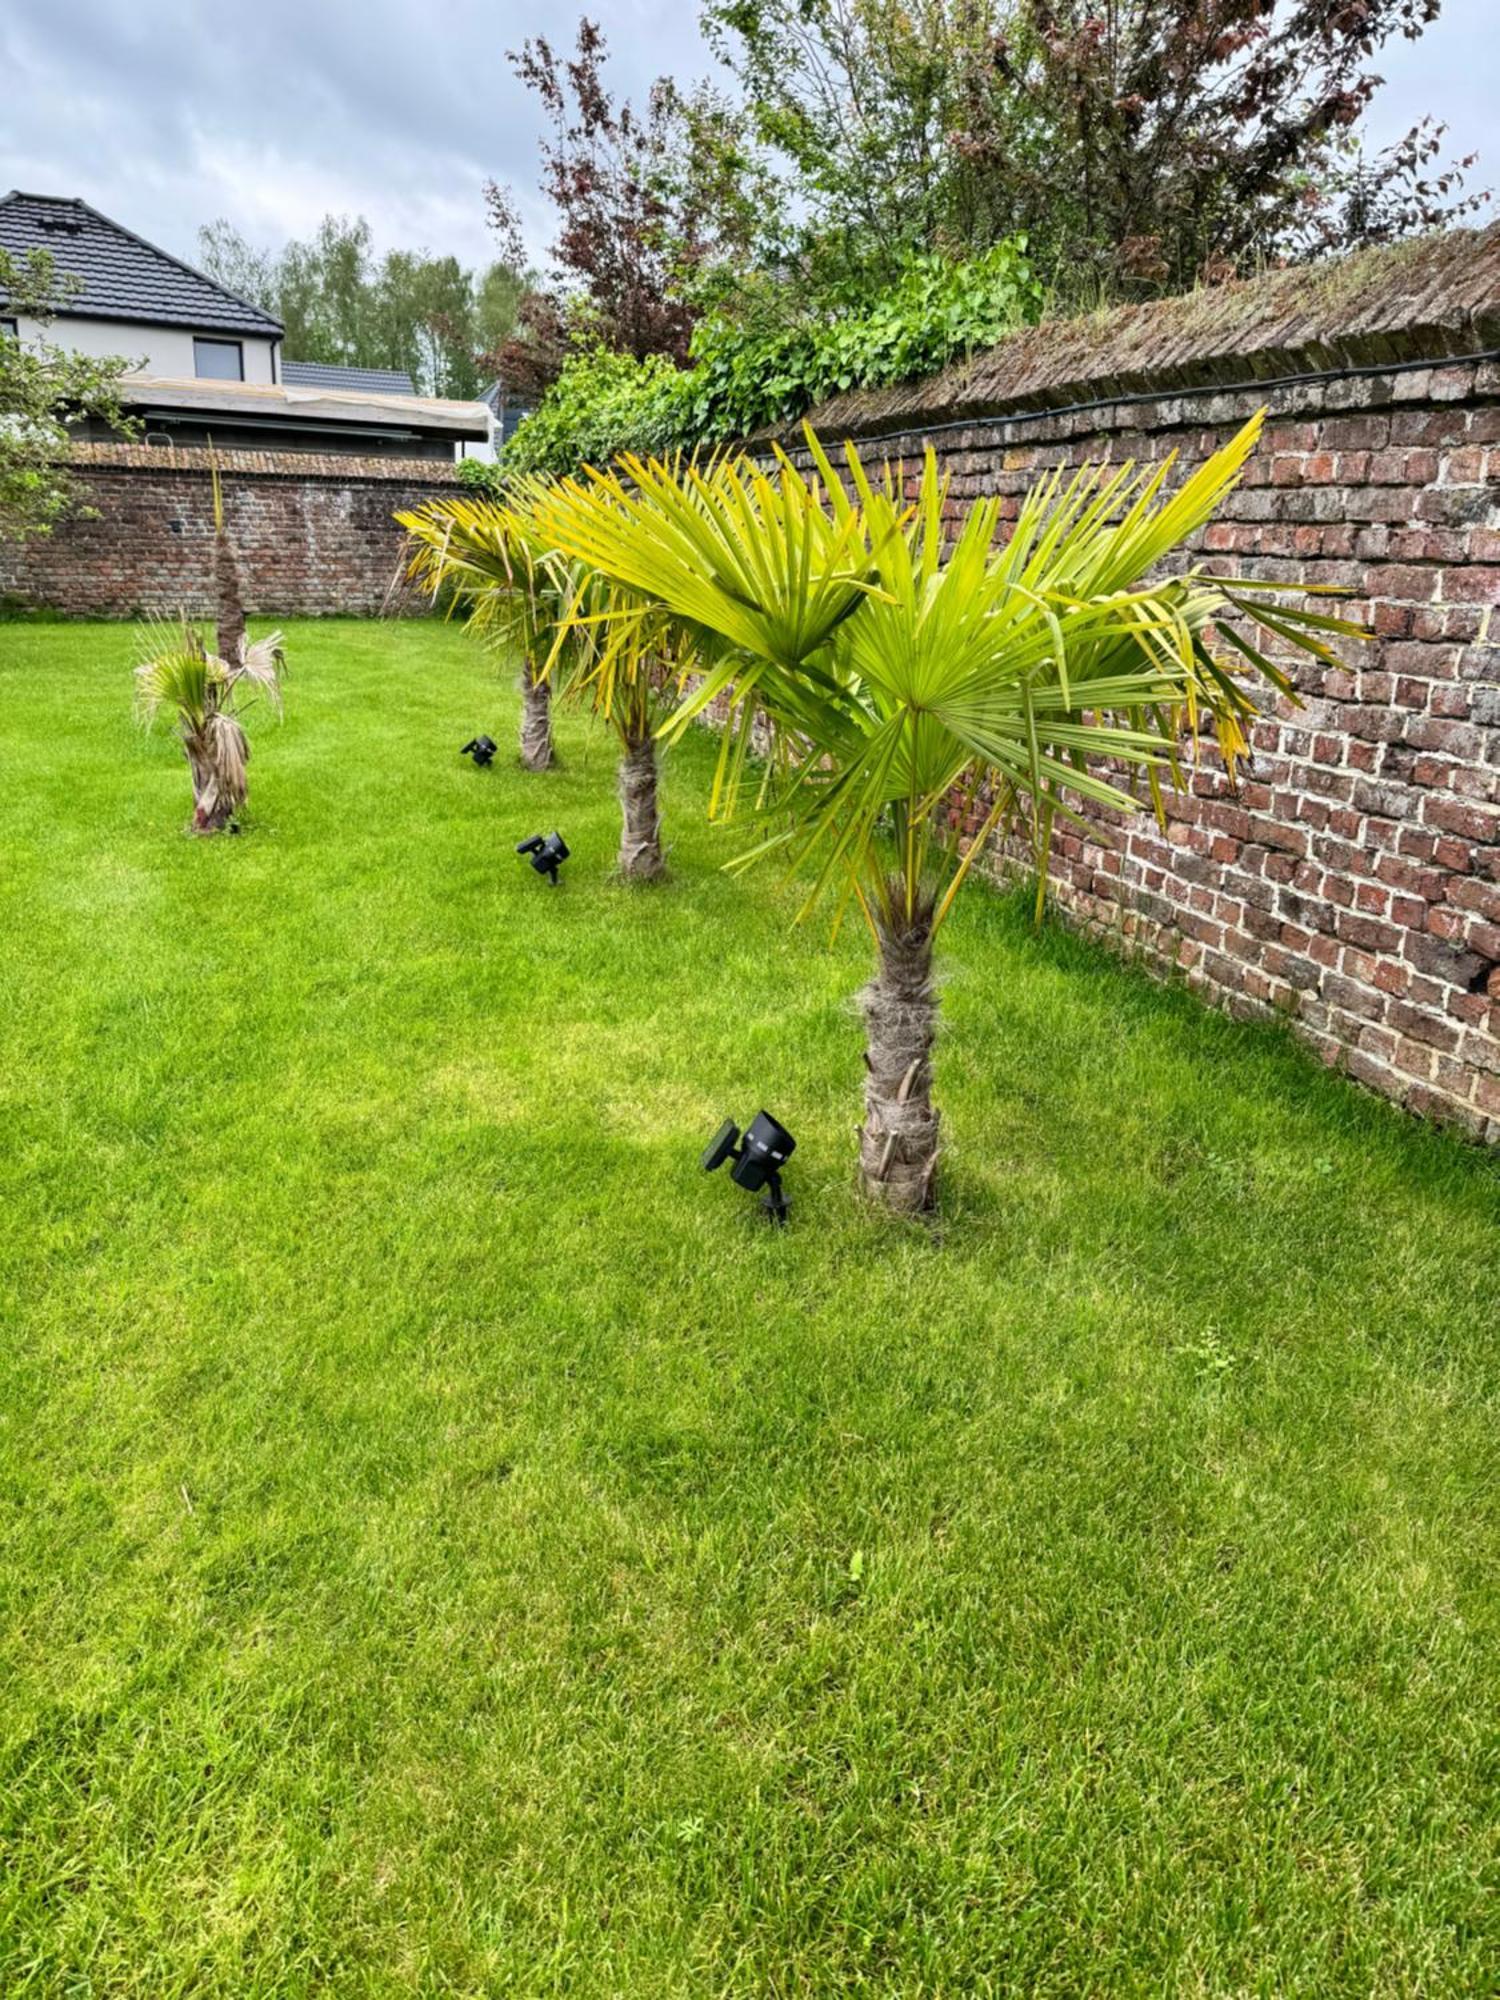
x=230 y=621
x=213 y=802
x=640 y=830
x=898 y=1142
x=218 y=758
x=536 y=719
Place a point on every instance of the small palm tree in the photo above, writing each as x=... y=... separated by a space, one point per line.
x=897 y=671
x=611 y=649
x=207 y=694
x=480 y=554
x=626 y=658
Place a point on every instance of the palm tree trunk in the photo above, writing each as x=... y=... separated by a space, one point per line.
x=212 y=807
x=898 y=1142
x=231 y=601
x=640 y=831
x=536 y=719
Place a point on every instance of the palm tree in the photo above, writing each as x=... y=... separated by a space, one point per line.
x=609 y=648
x=896 y=671
x=626 y=658
x=480 y=554
x=208 y=694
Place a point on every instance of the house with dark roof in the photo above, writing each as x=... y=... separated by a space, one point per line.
x=207 y=366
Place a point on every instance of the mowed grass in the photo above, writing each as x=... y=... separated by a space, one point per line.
x=449 y=1546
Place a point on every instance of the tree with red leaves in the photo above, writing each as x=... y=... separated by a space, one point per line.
x=1209 y=137
x=635 y=219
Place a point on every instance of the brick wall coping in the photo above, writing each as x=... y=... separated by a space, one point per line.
x=1426 y=300
x=339 y=467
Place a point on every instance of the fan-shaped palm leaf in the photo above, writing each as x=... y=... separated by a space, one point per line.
x=512 y=591
x=898 y=664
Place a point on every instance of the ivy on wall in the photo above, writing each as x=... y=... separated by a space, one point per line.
x=604 y=403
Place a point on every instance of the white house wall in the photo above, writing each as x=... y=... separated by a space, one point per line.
x=164 y=351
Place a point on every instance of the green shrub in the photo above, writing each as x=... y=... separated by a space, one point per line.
x=604 y=403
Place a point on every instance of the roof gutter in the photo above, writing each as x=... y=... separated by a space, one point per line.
x=222 y=420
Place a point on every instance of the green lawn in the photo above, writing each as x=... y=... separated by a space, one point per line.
x=449 y=1546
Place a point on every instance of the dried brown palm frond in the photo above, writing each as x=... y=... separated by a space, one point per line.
x=262 y=666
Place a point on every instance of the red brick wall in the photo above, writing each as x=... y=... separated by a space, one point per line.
x=313 y=532
x=1352 y=881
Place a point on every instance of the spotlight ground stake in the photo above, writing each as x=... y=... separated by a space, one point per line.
x=757 y=1160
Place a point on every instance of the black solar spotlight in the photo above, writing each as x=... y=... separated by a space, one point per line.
x=482 y=749
x=758 y=1159
x=547 y=853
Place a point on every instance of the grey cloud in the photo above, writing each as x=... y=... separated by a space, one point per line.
x=166 y=114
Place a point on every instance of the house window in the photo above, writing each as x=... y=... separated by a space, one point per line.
x=219 y=360
x=9 y=326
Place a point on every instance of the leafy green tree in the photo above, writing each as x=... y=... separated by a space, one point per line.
x=862 y=105
x=325 y=295
x=1133 y=142
x=339 y=303
x=43 y=390
x=897 y=671
x=498 y=292
x=424 y=309
x=242 y=268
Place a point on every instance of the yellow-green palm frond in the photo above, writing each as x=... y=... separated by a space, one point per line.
x=181 y=677
x=760 y=559
x=622 y=655
x=1054 y=668
x=896 y=656
x=484 y=555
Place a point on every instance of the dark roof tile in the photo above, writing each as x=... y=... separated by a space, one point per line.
x=121 y=275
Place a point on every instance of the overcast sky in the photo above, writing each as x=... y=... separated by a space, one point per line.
x=275 y=112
